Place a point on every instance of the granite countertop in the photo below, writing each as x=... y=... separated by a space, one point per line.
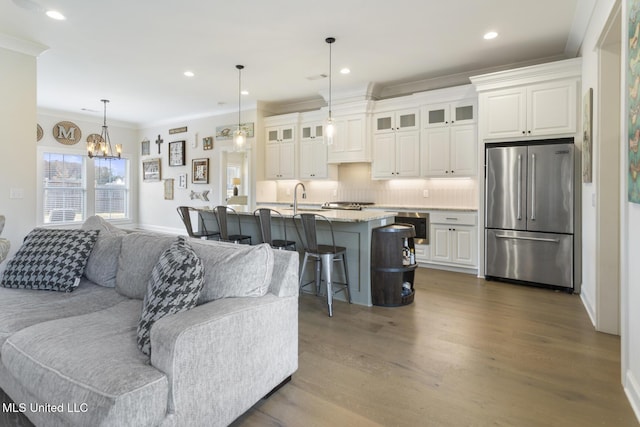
x=393 y=208
x=334 y=215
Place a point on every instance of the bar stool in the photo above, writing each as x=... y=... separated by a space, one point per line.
x=222 y=215
x=263 y=217
x=323 y=255
x=186 y=213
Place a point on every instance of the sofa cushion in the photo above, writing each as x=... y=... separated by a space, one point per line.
x=138 y=255
x=92 y=360
x=175 y=284
x=102 y=265
x=21 y=308
x=50 y=259
x=233 y=270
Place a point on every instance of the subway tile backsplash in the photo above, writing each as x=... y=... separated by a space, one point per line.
x=355 y=185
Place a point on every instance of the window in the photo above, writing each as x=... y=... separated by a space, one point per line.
x=111 y=189
x=64 y=187
x=66 y=198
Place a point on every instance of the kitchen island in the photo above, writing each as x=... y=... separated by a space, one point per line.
x=352 y=229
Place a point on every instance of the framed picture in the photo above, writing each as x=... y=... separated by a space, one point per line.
x=151 y=170
x=207 y=143
x=226 y=132
x=168 y=189
x=200 y=171
x=176 y=153
x=145 y=147
x=182 y=180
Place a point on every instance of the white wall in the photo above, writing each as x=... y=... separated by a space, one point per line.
x=629 y=223
x=159 y=214
x=630 y=248
x=18 y=144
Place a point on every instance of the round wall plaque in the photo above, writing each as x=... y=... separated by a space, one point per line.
x=67 y=133
x=39 y=133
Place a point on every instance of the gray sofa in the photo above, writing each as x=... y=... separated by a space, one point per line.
x=70 y=358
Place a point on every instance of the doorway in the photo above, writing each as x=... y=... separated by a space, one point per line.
x=607 y=177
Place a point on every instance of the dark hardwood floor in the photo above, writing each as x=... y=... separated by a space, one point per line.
x=466 y=353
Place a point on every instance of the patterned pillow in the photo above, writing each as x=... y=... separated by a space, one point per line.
x=50 y=259
x=175 y=284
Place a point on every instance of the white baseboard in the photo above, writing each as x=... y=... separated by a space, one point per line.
x=589 y=307
x=470 y=270
x=632 y=390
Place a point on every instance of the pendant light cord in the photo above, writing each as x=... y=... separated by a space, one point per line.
x=330 y=40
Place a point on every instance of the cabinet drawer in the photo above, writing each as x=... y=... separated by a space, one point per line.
x=453 y=218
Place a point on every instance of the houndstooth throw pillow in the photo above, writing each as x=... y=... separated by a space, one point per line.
x=50 y=259
x=175 y=284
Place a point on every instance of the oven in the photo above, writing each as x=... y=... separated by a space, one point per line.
x=420 y=221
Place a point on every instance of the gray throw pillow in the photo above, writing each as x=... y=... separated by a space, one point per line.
x=50 y=259
x=175 y=284
x=102 y=265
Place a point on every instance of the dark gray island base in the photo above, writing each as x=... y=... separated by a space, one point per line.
x=352 y=229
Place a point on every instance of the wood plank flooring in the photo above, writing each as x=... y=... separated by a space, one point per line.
x=467 y=352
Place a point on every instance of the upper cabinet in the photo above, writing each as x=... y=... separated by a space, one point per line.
x=314 y=152
x=396 y=121
x=280 y=147
x=449 y=139
x=396 y=144
x=454 y=113
x=530 y=102
x=351 y=139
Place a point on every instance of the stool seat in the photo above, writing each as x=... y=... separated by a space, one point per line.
x=323 y=255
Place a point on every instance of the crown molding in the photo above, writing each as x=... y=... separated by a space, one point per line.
x=21 y=46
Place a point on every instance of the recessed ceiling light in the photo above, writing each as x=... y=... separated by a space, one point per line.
x=244 y=92
x=54 y=14
x=490 y=35
x=345 y=71
x=189 y=73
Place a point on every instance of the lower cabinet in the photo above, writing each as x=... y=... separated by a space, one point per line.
x=453 y=239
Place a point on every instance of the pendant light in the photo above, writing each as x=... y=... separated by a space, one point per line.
x=101 y=148
x=239 y=136
x=329 y=128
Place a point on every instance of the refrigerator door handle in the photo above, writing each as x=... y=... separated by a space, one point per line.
x=519 y=197
x=533 y=187
x=535 y=239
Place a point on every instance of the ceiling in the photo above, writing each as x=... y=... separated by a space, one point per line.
x=135 y=52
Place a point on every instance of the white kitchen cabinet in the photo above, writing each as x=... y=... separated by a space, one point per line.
x=422 y=253
x=281 y=134
x=350 y=143
x=313 y=160
x=396 y=155
x=449 y=151
x=461 y=112
x=453 y=239
x=311 y=131
x=280 y=160
x=542 y=109
x=396 y=121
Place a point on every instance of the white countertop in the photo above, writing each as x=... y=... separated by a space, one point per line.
x=364 y=215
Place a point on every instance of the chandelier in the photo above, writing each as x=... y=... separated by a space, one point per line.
x=100 y=147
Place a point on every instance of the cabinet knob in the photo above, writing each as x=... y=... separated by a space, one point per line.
x=529 y=131
x=523 y=132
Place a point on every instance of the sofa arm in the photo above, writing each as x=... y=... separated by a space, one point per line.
x=220 y=358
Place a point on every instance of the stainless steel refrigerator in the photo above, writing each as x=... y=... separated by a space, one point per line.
x=530 y=212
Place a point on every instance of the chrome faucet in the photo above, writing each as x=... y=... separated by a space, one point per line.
x=295 y=196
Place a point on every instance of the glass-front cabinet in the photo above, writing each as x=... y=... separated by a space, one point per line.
x=395 y=121
x=453 y=113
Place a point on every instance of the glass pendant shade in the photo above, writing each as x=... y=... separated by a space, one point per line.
x=239 y=139
x=329 y=130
